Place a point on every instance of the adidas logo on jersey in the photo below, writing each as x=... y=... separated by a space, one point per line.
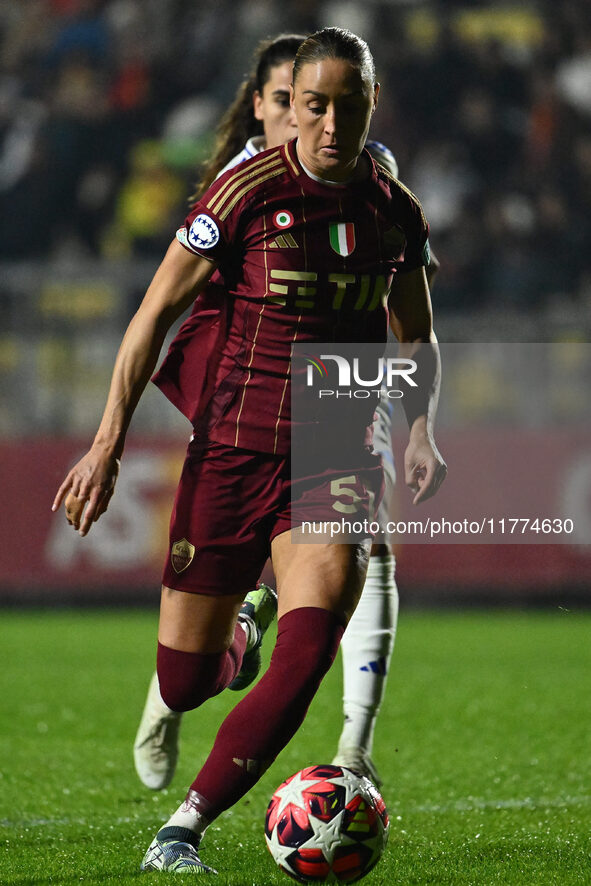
x=283 y=241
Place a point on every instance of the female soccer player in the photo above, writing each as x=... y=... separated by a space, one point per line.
x=234 y=502
x=263 y=102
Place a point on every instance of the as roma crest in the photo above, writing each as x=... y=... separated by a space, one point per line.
x=181 y=554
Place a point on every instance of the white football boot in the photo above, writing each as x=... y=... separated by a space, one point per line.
x=359 y=761
x=156 y=746
x=175 y=850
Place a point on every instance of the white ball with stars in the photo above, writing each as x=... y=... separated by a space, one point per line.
x=326 y=824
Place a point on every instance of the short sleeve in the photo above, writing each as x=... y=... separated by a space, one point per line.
x=416 y=228
x=208 y=231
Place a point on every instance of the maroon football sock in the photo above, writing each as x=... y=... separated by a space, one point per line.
x=187 y=679
x=260 y=726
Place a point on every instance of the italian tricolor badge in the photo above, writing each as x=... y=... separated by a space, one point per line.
x=342 y=237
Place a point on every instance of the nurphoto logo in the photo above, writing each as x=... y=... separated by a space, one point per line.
x=377 y=381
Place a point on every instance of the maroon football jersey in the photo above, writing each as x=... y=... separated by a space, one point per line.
x=302 y=261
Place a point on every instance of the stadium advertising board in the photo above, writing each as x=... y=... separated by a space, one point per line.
x=42 y=558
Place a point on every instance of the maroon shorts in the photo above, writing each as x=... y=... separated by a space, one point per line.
x=231 y=503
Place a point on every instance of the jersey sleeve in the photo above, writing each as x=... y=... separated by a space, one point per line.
x=416 y=229
x=209 y=229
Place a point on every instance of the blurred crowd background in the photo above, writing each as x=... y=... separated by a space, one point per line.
x=107 y=108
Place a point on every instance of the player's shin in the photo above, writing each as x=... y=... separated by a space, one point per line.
x=261 y=725
x=367 y=648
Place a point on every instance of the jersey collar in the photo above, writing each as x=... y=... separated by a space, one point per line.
x=318 y=186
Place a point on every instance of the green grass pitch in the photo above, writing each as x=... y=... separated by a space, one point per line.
x=483 y=744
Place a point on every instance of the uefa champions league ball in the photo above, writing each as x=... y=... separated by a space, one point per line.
x=326 y=825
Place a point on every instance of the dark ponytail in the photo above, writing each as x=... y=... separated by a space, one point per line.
x=239 y=123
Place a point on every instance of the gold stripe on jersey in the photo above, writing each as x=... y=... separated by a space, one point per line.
x=295 y=169
x=273 y=299
x=304 y=227
x=249 y=375
x=279 y=410
x=253 y=184
x=265 y=251
x=288 y=373
x=255 y=336
x=385 y=170
x=237 y=180
x=240 y=174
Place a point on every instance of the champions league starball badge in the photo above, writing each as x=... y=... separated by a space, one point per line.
x=203 y=233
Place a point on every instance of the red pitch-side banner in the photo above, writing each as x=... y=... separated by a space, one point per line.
x=40 y=554
x=42 y=557
x=519 y=486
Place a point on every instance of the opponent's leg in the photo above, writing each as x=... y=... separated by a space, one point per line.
x=155 y=749
x=367 y=649
x=369 y=639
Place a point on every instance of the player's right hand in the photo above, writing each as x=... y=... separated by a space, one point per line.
x=424 y=467
x=88 y=489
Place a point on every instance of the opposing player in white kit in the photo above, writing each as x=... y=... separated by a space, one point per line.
x=262 y=102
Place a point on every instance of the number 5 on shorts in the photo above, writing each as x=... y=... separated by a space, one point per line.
x=342 y=487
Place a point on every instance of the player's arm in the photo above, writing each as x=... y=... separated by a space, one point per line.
x=431 y=270
x=178 y=280
x=411 y=321
x=386 y=158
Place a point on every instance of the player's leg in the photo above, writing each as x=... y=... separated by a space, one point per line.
x=156 y=744
x=213 y=562
x=318 y=588
x=204 y=633
x=366 y=651
x=201 y=644
x=369 y=639
x=196 y=659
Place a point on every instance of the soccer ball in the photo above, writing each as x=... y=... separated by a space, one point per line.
x=326 y=825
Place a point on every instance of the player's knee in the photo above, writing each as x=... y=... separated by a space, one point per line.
x=187 y=679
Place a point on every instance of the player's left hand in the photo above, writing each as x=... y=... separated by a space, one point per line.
x=424 y=468
x=73 y=506
x=88 y=489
